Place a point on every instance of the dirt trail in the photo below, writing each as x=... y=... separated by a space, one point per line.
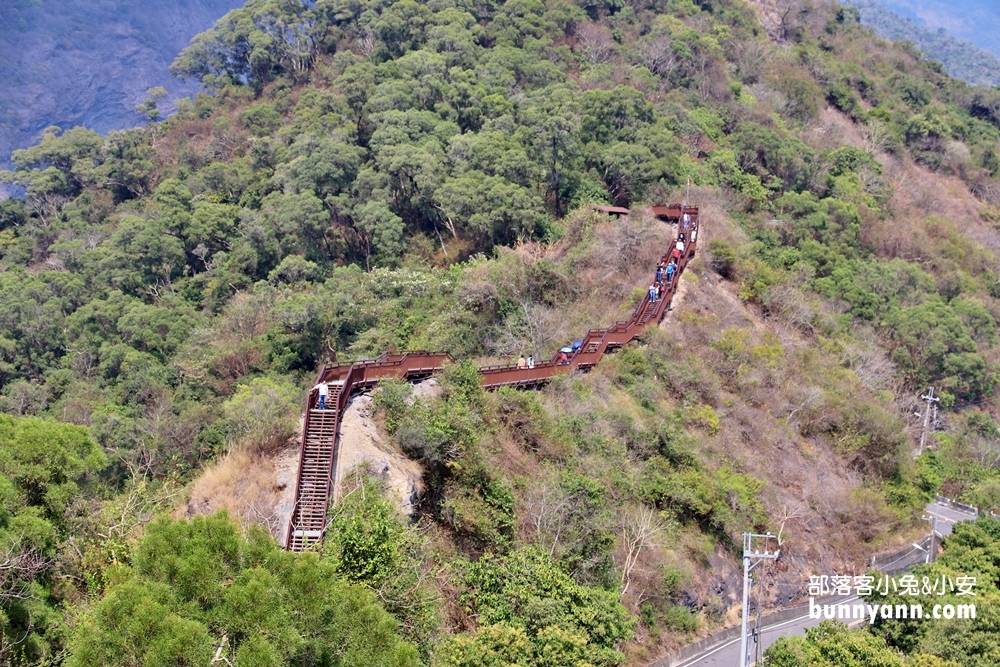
x=683 y=285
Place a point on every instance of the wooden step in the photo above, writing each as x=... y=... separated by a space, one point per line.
x=315 y=485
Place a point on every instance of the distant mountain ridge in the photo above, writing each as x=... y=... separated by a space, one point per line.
x=89 y=62
x=962 y=59
x=976 y=21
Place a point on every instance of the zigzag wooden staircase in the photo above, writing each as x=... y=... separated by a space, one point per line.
x=320 y=437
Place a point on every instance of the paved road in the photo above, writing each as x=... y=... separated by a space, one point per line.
x=728 y=655
x=946 y=517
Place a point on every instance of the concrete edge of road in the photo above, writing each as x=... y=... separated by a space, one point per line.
x=724 y=637
x=957 y=506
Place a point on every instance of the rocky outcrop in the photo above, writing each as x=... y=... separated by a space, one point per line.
x=770 y=13
x=362 y=443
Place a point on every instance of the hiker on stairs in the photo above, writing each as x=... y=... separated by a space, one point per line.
x=324 y=391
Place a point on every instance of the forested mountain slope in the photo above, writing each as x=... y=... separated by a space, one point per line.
x=976 y=21
x=90 y=62
x=962 y=59
x=383 y=176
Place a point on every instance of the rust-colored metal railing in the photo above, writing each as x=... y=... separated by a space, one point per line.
x=320 y=432
x=598 y=342
x=320 y=435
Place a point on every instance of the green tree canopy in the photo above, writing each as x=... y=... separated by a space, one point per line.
x=200 y=588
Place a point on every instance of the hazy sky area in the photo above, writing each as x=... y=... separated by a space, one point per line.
x=976 y=21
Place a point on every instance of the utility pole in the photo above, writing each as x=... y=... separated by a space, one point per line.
x=930 y=546
x=758 y=644
x=752 y=557
x=929 y=551
x=931 y=401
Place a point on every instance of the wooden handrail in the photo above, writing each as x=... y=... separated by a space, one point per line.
x=364 y=373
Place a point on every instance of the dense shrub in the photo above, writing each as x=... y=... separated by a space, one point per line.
x=197 y=588
x=530 y=610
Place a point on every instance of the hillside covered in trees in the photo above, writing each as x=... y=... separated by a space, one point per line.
x=368 y=177
x=973 y=21
x=962 y=59
x=90 y=62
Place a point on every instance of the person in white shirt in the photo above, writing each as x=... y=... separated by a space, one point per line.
x=324 y=391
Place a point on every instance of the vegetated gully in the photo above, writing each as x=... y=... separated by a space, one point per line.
x=320 y=432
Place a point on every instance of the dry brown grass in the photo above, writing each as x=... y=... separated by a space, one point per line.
x=599 y=278
x=246 y=486
x=918 y=197
x=916 y=193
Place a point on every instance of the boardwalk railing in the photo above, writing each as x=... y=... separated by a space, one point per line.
x=320 y=432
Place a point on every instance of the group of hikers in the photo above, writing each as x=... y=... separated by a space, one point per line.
x=666 y=269
x=665 y=272
x=530 y=361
